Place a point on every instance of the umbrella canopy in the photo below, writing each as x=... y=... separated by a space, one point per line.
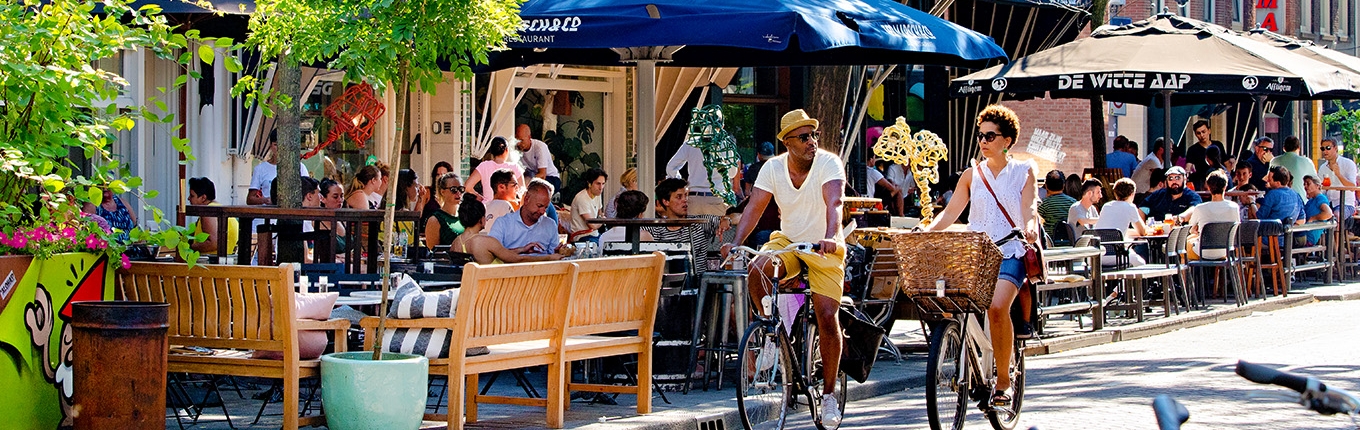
x=735 y=33
x=1197 y=61
x=1307 y=49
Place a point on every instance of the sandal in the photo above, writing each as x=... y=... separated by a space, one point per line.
x=1002 y=398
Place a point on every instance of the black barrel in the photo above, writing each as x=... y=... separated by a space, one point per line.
x=120 y=351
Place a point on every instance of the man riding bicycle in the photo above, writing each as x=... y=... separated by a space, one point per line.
x=808 y=183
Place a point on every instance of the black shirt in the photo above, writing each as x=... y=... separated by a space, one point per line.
x=1259 y=170
x=1196 y=155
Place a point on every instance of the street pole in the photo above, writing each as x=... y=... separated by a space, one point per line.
x=645 y=126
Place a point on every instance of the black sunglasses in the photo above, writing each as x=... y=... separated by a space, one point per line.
x=1327 y=148
x=988 y=136
x=457 y=189
x=812 y=135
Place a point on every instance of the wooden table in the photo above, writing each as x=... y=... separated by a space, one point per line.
x=358 y=219
x=632 y=227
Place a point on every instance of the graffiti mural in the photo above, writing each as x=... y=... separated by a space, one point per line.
x=35 y=336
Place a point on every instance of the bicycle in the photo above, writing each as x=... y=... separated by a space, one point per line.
x=779 y=356
x=1313 y=394
x=960 y=350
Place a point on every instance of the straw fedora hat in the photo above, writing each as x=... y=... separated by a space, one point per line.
x=792 y=120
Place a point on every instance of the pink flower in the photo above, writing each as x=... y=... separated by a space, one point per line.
x=92 y=242
x=68 y=233
x=126 y=262
x=19 y=242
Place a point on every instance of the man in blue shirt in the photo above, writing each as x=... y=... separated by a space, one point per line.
x=1174 y=199
x=1281 y=202
x=1121 y=158
x=529 y=225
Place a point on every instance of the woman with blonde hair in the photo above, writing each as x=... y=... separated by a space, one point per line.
x=366 y=182
x=627 y=182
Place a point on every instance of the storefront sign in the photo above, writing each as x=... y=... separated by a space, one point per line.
x=1269 y=14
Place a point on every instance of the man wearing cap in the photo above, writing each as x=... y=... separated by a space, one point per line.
x=1172 y=200
x=811 y=180
x=702 y=201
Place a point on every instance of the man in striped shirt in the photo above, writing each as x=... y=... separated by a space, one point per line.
x=1054 y=208
x=672 y=201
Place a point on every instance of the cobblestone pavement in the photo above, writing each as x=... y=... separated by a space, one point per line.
x=1112 y=386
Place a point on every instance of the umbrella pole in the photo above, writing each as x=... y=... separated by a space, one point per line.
x=646 y=127
x=1260 y=115
x=1166 y=116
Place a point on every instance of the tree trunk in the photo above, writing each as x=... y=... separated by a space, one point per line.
x=289 y=154
x=403 y=134
x=1098 y=131
x=826 y=103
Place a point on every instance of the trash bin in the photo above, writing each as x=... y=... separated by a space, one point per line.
x=120 y=352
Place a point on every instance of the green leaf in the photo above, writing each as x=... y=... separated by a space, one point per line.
x=181 y=80
x=151 y=194
x=206 y=53
x=123 y=123
x=223 y=42
x=94 y=195
x=233 y=64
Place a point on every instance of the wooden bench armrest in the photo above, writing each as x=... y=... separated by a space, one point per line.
x=372 y=323
x=331 y=324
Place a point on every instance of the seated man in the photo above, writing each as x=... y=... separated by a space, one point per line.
x=1054 y=207
x=1217 y=209
x=1120 y=214
x=628 y=205
x=530 y=226
x=1317 y=209
x=504 y=200
x=202 y=192
x=1083 y=214
x=1172 y=200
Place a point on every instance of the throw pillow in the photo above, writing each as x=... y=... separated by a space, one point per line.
x=311 y=343
x=409 y=301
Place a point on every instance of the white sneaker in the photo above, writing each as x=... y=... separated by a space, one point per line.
x=831 y=411
x=768 y=356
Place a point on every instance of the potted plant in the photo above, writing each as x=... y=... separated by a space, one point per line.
x=380 y=42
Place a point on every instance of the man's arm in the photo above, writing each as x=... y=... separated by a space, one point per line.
x=832 y=192
x=255 y=197
x=677 y=162
x=545 y=160
x=208 y=225
x=750 y=216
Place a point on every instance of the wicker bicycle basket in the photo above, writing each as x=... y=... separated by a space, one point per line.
x=967 y=262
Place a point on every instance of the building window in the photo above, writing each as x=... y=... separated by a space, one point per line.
x=1237 y=11
x=1325 y=17
x=1343 y=18
x=1208 y=10
x=1305 y=17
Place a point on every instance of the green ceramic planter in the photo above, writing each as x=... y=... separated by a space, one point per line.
x=359 y=393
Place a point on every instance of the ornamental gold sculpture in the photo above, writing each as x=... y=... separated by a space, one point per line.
x=921 y=152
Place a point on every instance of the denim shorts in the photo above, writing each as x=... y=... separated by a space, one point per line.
x=1013 y=270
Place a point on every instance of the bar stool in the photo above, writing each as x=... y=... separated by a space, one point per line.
x=725 y=292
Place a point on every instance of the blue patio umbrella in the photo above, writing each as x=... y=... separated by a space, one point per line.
x=734 y=33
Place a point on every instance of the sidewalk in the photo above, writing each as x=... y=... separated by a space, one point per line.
x=713 y=409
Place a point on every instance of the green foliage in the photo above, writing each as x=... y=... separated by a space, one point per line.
x=1348 y=122
x=55 y=102
x=568 y=151
x=370 y=39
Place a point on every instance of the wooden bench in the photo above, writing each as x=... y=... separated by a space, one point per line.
x=233 y=309
x=611 y=295
x=517 y=311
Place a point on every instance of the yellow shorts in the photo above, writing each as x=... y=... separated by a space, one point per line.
x=826 y=273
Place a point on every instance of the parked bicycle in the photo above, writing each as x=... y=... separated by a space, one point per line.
x=961 y=365
x=779 y=356
x=1312 y=394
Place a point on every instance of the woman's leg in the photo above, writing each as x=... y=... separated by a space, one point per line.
x=1003 y=333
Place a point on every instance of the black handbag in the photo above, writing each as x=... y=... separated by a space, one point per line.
x=859 y=346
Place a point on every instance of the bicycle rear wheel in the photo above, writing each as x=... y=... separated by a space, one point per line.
x=1007 y=418
x=946 y=379
x=763 y=391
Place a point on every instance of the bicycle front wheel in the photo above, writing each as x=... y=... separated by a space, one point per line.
x=946 y=382
x=763 y=392
x=1007 y=418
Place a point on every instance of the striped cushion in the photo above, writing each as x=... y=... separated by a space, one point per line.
x=409 y=301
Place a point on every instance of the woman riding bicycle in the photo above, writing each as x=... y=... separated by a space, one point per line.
x=1011 y=195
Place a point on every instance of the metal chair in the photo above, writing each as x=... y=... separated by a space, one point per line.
x=1216 y=237
x=1119 y=251
x=1249 y=254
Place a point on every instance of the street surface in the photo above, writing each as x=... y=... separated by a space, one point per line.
x=1112 y=386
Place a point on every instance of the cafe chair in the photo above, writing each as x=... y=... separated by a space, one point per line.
x=1249 y=254
x=1271 y=254
x=1108 y=239
x=1217 y=250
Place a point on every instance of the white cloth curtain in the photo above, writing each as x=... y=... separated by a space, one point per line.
x=674 y=85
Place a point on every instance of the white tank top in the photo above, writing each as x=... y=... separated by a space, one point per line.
x=985 y=216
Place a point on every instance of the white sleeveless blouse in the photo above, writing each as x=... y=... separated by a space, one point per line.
x=985 y=216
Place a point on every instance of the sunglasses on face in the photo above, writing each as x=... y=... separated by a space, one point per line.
x=1265 y=148
x=1175 y=178
x=457 y=189
x=987 y=137
x=812 y=135
x=1326 y=148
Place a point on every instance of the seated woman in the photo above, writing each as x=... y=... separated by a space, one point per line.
x=1318 y=209
x=1217 y=209
x=112 y=209
x=443 y=225
x=483 y=248
x=628 y=205
x=1120 y=214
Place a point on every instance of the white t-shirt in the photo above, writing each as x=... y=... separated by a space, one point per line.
x=1077 y=212
x=486 y=168
x=263 y=177
x=808 y=222
x=1346 y=169
x=692 y=159
x=1142 y=175
x=899 y=176
x=1209 y=212
x=872 y=176
x=1118 y=215
x=618 y=234
x=496 y=209
x=537 y=157
x=584 y=204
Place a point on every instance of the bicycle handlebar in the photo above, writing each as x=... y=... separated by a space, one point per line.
x=803 y=247
x=1170 y=413
x=1313 y=393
